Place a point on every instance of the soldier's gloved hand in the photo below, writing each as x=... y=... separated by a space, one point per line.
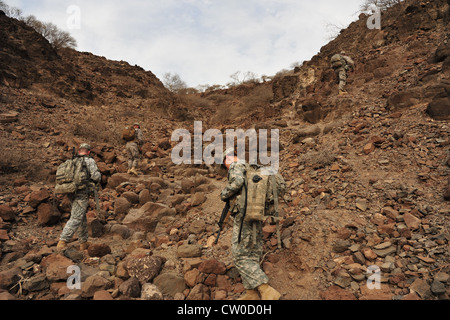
x=223 y=197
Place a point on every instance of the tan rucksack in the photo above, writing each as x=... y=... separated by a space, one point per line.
x=71 y=176
x=262 y=195
x=128 y=134
x=337 y=61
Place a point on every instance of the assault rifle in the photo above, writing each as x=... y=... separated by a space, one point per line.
x=223 y=217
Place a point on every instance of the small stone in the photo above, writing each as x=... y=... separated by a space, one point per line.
x=390 y=213
x=411 y=221
x=437 y=287
x=189 y=251
x=383 y=245
x=361 y=204
x=98 y=250
x=369 y=254
x=341 y=246
x=422 y=288
x=358 y=257
x=368 y=148
x=442 y=277
x=385 y=252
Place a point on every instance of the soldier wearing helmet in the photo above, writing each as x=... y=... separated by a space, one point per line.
x=80 y=200
x=341 y=65
x=133 y=149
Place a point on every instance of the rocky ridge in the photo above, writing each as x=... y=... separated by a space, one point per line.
x=367 y=181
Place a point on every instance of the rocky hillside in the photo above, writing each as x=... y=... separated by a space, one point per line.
x=367 y=173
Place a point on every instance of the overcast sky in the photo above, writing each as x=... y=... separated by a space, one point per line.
x=203 y=41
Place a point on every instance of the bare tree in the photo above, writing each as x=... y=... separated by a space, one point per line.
x=381 y=4
x=240 y=78
x=173 y=82
x=58 y=38
x=11 y=12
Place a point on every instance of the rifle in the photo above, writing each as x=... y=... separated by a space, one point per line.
x=222 y=219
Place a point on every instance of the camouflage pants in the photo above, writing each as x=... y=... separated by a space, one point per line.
x=246 y=254
x=133 y=154
x=342 y=78
x=77 y=221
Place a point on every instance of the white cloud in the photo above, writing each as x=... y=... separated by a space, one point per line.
x=204 y=41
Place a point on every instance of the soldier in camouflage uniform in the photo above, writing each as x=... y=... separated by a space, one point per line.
x=133 y=149
x=341 y=64
x=78 y=221
x=246 y=253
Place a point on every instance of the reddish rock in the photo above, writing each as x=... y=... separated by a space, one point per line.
x=9 y=277
x=191 y=277
x=37 y=197
x=369 y=254
x=336 y=293
x=55 y=267
x=411 y=221
x=383 y=293
x=93 y=284
x=102 y=295
x=6 y=213
x=212 y=266
x=368 y=148
x=390 y=212
x=47 y=214
x=145 y=269
x=99 y=250
x=131 y=288
x=4 y=235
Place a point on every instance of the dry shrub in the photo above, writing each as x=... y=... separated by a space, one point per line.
x=93 y=128
x=15 y=160
x=260 y=96
x=318 y=159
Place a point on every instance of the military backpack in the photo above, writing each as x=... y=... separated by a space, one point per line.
x=262 y=195
x=72 y=176
x=337 y=61
x=128 y=134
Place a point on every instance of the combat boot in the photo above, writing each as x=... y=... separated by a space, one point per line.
x=268 y=293
x=342 y=92
x=134 y=171
x=250 y=295
x=84 y=245
x=61 y=245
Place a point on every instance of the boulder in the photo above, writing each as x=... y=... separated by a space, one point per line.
x=98 y=250
x=150 y=292
x=146 y=218
x=170 y=283
x=145 y=269
x=48 y=214
x=55 y=267
x=439 y=108
x=131 y=288
x=7 y=213
x=93 y=284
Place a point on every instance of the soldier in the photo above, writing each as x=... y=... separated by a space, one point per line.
x=80 y=203
x=246 y=253
x=133 y=149
x=341 y=64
